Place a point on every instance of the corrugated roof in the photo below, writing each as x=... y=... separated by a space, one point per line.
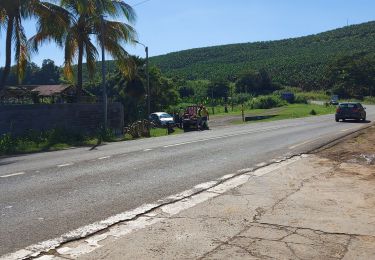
x=50 y=90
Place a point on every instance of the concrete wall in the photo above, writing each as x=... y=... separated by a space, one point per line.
x=76 y=117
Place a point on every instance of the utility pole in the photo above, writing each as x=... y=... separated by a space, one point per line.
x=148 y=79
x=148 y=84
x=104 y=88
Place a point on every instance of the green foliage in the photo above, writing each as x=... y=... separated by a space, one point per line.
x=218 y=90
x=43 y=141
x=352 y=76
x=255 y=83
x=240 y=98
x=369 y=100
x=299 y=62
x=131 y=92
x=48 y=74
x=265 y=102
x=300 y=99
x=7 y=144
x=313 y=112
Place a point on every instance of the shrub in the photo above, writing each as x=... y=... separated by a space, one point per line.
x=241 y=98
x=7 y=144
x=313 y=112
x=300 y=99
x=265 y=102
x=369 y=100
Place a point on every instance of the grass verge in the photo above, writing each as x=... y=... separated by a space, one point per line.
x=288 y=112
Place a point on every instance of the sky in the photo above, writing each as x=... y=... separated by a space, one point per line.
x=172 y=25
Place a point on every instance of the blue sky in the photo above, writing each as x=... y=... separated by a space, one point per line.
x=172 y=25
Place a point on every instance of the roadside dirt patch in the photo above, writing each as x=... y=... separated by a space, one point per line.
x=359 y=150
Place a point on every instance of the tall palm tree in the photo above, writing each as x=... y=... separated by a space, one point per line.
x=12 y=13
x=85 y=27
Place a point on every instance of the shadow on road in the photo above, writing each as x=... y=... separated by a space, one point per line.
x=356 y=121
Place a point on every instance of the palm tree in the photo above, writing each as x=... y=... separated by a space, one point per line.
x=86 y=26
x=12 y=13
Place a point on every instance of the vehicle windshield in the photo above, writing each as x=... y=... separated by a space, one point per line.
x=165 y=115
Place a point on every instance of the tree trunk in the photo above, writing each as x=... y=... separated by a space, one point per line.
x=8 y=52
x=79 y=72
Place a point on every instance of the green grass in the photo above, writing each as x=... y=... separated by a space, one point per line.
x=288 y=112
x=156 y=132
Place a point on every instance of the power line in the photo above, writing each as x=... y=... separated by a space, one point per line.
x=140 y=3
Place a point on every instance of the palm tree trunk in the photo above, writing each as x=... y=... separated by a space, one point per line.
x=79 y=72
x=8 y=52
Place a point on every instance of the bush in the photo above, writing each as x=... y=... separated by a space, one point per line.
x=266 y=102
x=241 y=98
x=369 y=100
x=7 y=144
x=300 y=99
x=313 y=112
x=34 y=141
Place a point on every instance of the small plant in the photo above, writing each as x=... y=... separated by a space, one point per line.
x=300 y=99
x=313 y=112
x=7 y=144
x=266 y=102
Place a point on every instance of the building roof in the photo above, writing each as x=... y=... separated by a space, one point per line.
x=50 y=90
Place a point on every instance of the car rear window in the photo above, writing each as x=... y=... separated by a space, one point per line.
x=348 y=105
x=165 y=116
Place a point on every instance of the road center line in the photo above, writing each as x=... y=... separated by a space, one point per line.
x=13 y=174
x=227 y=136
x=104 y=157
x=64 y=165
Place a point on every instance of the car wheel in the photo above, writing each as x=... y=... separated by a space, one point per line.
x=337 y=119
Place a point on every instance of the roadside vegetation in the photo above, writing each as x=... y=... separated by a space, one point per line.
x=59 y=139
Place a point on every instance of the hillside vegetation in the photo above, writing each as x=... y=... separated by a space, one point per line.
x=299 y=62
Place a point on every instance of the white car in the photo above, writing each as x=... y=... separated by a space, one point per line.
x=161 y=118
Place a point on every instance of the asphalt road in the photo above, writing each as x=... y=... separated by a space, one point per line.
x=43 y=196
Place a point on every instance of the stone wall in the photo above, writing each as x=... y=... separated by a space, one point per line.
x=86 y=118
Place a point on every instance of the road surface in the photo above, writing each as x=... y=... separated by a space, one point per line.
x=45 y=195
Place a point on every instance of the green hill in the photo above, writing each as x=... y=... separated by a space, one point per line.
x=296 y=62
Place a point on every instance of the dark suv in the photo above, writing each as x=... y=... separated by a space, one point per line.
x=350 y=111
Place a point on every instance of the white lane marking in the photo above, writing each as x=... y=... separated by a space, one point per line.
x=13 y=174
x=229 y=135
x=64 y=165
x=146 y=150
x=344 y=130
x=104 y=157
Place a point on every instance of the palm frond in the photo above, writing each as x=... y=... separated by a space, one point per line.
x=91 y=56
x=71 y=48
x=125 y=9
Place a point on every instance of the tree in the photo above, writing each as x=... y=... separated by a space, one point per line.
x=255 y=83
x=352 y=76
x=12 y=13
x=84 y=27
x=218 y=89
x=186 y=91
x=49 y=73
